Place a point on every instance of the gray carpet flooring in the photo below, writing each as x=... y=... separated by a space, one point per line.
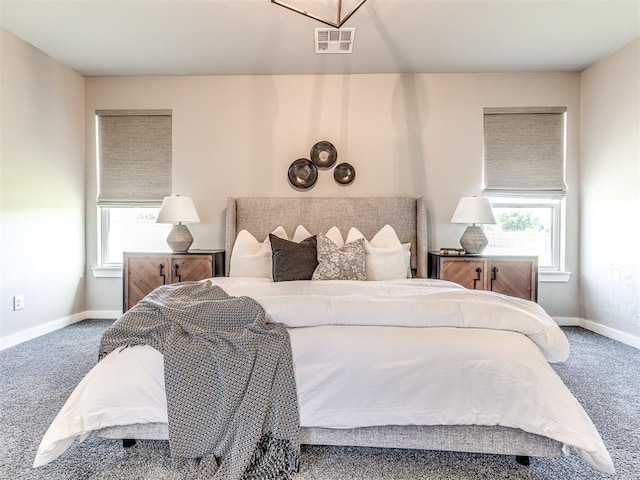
x=37 y=376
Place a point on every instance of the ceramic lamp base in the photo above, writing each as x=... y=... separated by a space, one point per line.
x=179 y=238
x=474 y=240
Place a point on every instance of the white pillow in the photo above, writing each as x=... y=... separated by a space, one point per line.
x=250 y=258
x=384 y=254
x=333 y=234
x=300 y=234
x=406 y=247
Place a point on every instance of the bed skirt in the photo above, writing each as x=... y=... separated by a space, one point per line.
x=453 y=438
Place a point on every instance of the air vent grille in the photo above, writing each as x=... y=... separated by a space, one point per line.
x=331 y=40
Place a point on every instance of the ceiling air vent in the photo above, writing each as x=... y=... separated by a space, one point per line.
x=331 y=40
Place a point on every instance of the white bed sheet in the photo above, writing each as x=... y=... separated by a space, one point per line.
x=351 y=376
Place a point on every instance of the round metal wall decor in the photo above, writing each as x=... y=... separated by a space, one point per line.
x=302 y=173
x=344 y=174
x=323 y=154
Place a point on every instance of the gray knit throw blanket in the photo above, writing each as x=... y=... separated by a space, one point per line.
x=231 y=393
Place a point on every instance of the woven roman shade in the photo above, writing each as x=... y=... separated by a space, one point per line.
x=524 y=150
x=134 y=157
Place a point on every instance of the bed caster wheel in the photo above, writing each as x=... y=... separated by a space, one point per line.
x=523 y=460
x=128 y=442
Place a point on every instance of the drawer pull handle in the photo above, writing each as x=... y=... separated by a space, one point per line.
x=161 y=274
x=477 y=279
x=494 y=275
x=176 y=275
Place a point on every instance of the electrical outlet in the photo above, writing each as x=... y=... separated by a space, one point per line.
x=18 y=302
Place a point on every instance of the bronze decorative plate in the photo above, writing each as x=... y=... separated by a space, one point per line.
x=323 y=154
x=344 y=174
x=302 y=173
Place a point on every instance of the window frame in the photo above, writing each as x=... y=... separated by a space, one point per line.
x=558 y=224
x=103 y=229
x=544 y=191
x=103 y=213
x=148 y=158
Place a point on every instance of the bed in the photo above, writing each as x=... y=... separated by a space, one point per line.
x=466 y=359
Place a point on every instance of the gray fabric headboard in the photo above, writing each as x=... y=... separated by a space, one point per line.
x=260 y=215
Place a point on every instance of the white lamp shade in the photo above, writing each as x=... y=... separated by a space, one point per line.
x=473 y=210
x=178 y=209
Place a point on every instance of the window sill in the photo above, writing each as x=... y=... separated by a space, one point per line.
x=554 y=277
x=107 y=272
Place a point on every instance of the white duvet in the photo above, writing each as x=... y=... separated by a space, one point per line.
x=407 y=352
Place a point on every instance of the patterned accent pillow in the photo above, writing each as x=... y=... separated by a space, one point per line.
x=346 y=263
x=291 y=260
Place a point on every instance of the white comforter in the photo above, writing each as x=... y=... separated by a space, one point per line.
x=354 y=367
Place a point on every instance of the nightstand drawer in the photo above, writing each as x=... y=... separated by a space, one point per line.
x=144 y=272
x=516 y=276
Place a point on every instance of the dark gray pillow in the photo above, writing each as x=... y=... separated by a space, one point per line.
x=291 y=260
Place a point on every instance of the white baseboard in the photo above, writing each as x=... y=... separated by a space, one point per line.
x=34 y=332
x=600 y=329
x=567 y=321
x=623 y=337
x=103 y=314
x=37 y=331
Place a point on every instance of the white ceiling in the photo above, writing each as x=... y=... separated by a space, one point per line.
x=237 y=37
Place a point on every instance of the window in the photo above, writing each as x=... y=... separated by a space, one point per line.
x=524 y=163
x=134 y=175
x=130 y=229
x=527 y=227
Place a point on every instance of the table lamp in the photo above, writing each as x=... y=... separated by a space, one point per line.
x=178 y=210
x=473 y=210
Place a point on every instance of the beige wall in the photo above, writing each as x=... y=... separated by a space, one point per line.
x=414 y=135
x=610 y=211
x=42 y=188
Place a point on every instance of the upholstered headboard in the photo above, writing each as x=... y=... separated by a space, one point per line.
x=260 y=215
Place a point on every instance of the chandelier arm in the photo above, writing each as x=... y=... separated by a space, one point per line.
x=340 y=20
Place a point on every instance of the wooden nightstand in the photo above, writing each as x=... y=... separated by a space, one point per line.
x=511 y=275
x=142 y=272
